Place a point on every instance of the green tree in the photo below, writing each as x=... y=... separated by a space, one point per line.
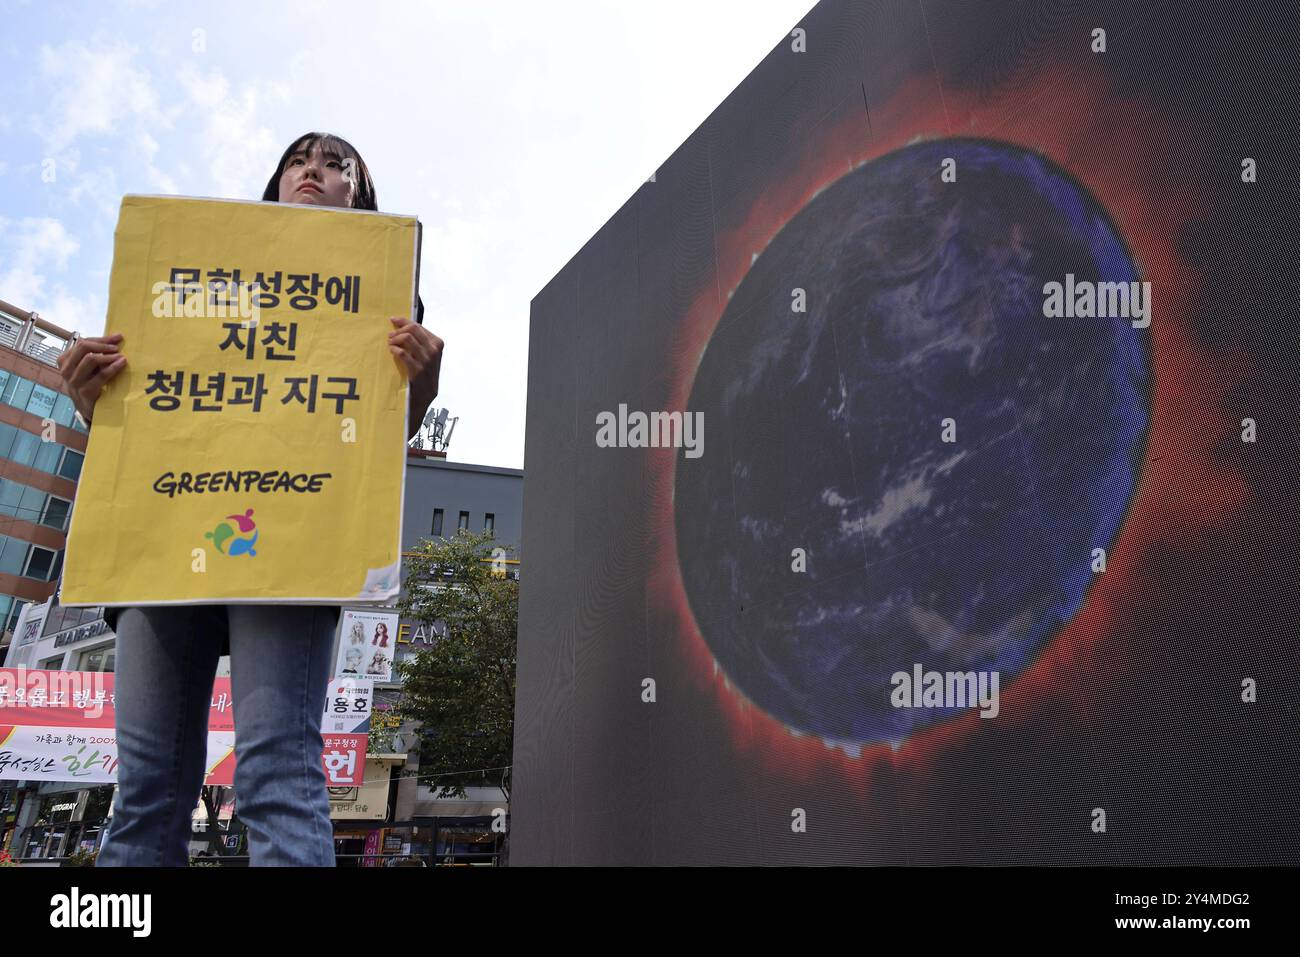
x=462 y=689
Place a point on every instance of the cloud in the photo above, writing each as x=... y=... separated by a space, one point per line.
x=74 y=313
x=30 y=248
x=99 y=92
x=100 y=189
x=147 y=146
x=38 y=241
x=239 y=142
x=91 y=91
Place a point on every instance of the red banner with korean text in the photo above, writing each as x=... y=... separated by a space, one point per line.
x=61 y=726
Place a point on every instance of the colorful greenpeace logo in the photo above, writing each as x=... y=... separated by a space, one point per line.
x=236 y=540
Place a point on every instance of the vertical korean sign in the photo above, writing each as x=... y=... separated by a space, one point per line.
x=253 y=449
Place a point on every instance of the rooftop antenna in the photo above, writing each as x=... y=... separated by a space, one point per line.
x=433 y=434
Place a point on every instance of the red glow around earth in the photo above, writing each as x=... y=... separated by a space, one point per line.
x=1115 y=149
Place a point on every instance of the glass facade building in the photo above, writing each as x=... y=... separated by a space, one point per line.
x=42 y=446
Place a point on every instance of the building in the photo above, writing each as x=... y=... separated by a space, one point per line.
x=441 y=497
x=42 y=445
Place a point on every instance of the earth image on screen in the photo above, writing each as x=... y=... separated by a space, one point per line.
x=884 y=396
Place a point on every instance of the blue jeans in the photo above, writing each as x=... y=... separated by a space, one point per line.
x=279 y=671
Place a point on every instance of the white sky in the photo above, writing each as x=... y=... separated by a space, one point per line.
x=513 y=129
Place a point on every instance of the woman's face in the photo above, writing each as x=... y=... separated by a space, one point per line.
x=316 y=178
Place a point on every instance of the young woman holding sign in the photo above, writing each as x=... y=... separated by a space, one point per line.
x=280 y=660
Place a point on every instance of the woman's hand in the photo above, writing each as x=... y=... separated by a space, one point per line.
x=420 y=353
x=88 y=366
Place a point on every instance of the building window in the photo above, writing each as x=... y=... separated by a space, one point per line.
x=25 y=447
x=11 y=495
x=60 y=618
x=40 y=563
x=464 y=521
x=437 y=521
x=56 y=513
x=32 y=504
x=41 y=403
x=47 y=457
x=71 y=467
x=13 y=555
x=64 y=410
x=7 y=435
x=489 y=522
x=18 y=391
x=52 y=664
x=103 y=658
x=15 y=610
x=54 y=619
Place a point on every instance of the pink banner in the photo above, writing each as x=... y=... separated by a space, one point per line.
x=60 y=726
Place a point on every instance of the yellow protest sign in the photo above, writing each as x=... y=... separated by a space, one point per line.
x=253 y=449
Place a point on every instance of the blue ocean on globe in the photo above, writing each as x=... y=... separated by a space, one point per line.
x=824 y=432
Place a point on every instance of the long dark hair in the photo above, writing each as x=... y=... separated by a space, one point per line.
x=363 y=195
